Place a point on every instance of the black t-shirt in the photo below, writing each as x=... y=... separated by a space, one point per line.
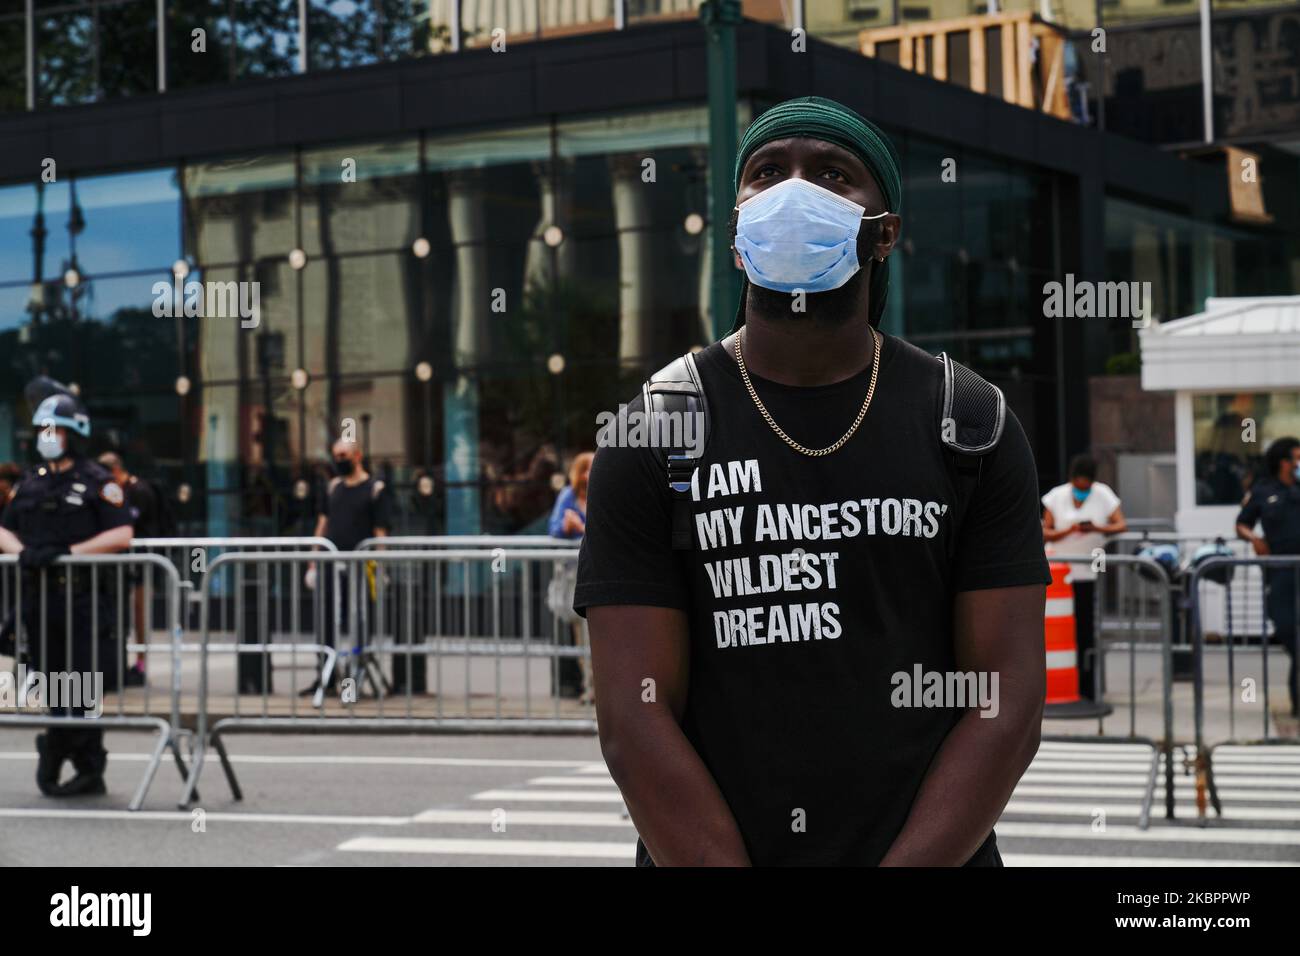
x=792 y=655
x=353 y=512
x=144 y=502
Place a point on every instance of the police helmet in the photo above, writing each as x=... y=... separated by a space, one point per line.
x=65 y=410
x=1165 y=555
x=1221 y=574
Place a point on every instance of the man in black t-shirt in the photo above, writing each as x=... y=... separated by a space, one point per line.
x=356 y=506
x=786 y=692
x=143 y=502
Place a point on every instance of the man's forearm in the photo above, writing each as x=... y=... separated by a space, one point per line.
x=674 y=801
x=968 y=786
x=106 y=542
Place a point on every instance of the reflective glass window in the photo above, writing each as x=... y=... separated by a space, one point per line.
x=1225 y=464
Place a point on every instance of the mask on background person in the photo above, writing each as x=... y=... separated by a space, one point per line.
x=344 y=466
x=50 y=447
x=1080 y=494
x=797 y=235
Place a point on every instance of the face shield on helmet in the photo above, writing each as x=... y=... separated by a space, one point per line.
x=64 y=411
x=57 y=418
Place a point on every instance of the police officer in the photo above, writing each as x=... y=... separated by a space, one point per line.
x=1274 y=502
x=68 y=505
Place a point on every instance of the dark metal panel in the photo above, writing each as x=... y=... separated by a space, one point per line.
x=481 y=88
x=127 y=138
x=580 y=83
x=350 y=111
x=22 y=148
x=1135 y=167
x=218 y=128
x=1066 y=146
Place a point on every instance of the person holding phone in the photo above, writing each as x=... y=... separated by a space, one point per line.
x=1077 y=517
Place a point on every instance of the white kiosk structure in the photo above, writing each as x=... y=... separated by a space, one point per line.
x=1235 y=372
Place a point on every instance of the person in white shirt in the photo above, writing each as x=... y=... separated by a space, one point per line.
x=1077 y=517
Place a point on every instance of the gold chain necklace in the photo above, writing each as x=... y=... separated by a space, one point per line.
x=767 y=417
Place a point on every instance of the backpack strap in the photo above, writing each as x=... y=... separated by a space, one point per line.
x=972 y=413
x=676 y=388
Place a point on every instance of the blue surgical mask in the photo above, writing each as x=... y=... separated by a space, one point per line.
x=1080 y=494
x=798 y=236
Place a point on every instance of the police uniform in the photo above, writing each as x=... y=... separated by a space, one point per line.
x=1277 y=507
x=50 y=510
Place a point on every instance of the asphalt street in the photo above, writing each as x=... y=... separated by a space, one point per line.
x=547 y=801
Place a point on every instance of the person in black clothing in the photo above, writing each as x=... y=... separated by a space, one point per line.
x=753 y=660
x=143 y=502
x=356 y=506
x=1274 y=502
x=69 y=505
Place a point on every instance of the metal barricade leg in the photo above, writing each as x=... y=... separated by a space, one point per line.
x=155 y=760
x=229 y=770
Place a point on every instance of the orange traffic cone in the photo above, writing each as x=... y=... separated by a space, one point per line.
x=1063 y=697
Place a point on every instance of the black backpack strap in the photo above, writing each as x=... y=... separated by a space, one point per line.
x=676 y=388
x=972 y=413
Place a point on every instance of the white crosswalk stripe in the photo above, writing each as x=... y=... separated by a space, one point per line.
x=1078 y=805
x=530 y=823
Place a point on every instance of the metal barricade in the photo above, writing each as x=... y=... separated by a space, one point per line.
x=191 y=556
x=1240 y=601
x=93 y=604
x=426 y=542
x=466 y=614
x=1145 y=583
x=1270 y=567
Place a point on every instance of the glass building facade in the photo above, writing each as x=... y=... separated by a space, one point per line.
x=467 y=302
x=466 y=299
x=1143 y=78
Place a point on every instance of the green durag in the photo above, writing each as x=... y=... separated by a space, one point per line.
x=819 y=118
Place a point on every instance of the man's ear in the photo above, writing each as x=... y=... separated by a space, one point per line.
x=891 y=227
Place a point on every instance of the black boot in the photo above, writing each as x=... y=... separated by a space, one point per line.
x=49 y=762
x=90 y=758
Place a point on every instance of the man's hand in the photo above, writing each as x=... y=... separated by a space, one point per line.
x=674 y=801
x=1260 y=546
x=40 y=555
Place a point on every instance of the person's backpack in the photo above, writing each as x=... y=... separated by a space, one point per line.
x=972 y=414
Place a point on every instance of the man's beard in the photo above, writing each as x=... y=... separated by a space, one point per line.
x=834 y=307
